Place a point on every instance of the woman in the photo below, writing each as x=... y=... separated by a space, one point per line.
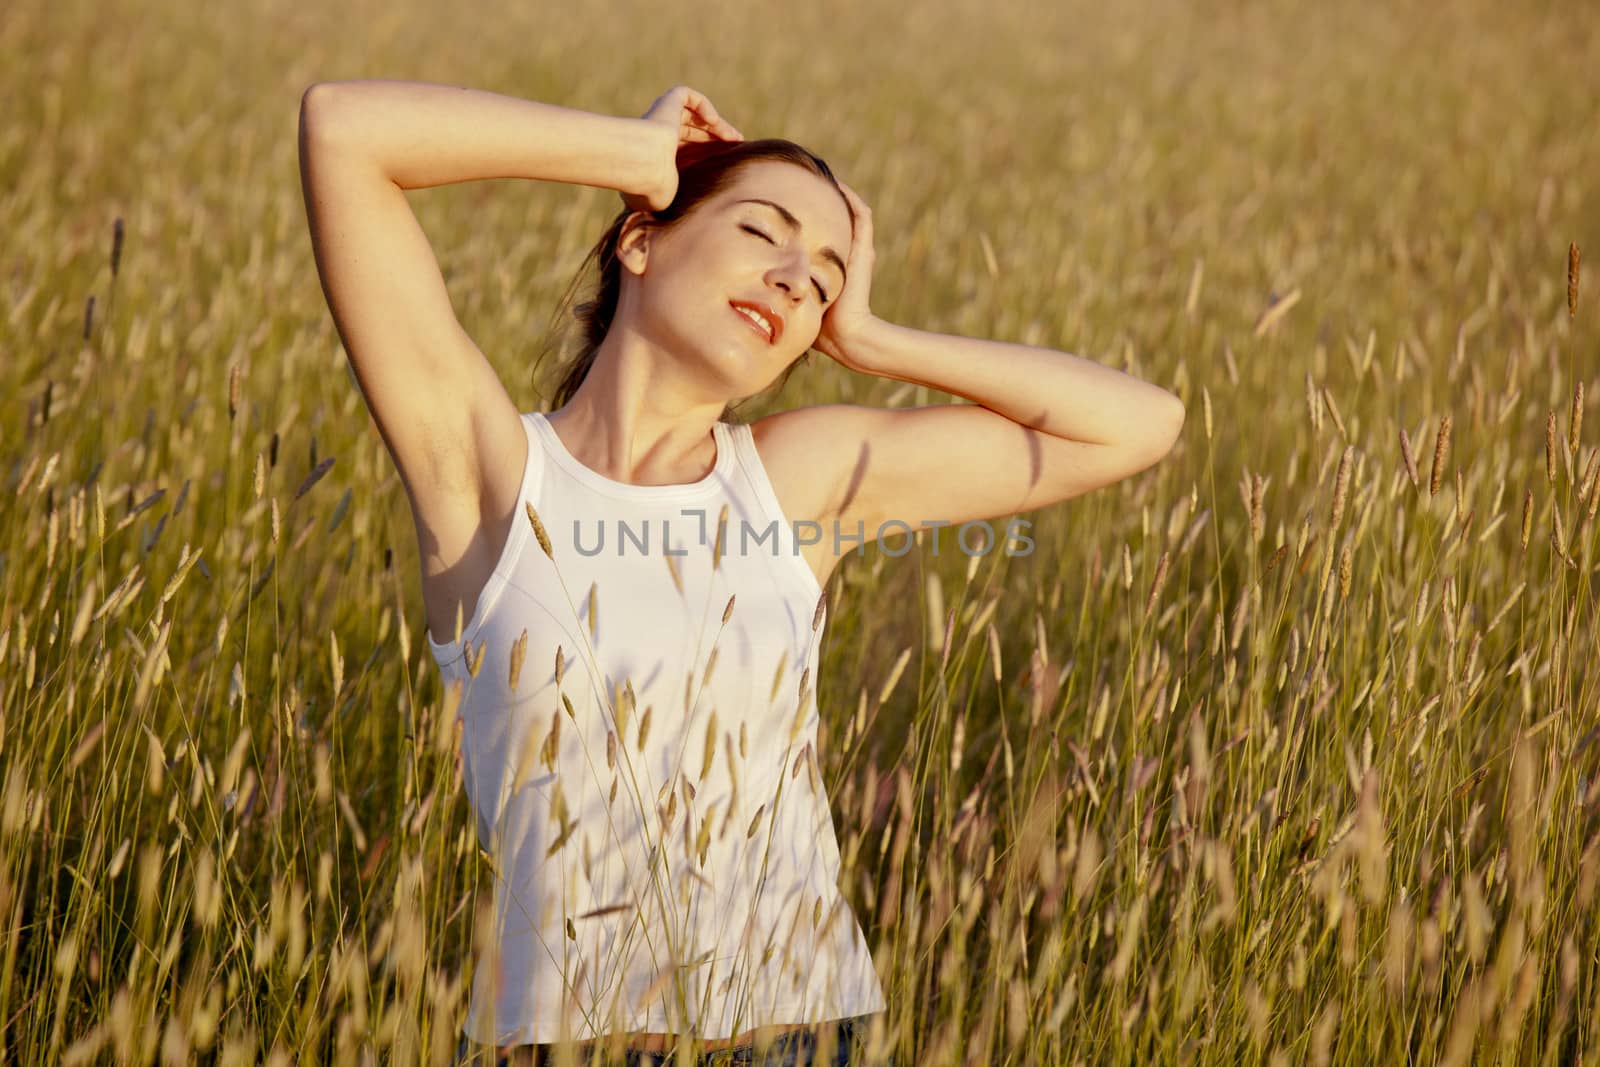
x=635 y=677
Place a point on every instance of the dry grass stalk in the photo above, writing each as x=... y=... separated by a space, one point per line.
x=1333 y=413
x=1258 y=515
x=1275 y=312
x=1441 y=452
x=1575 y=421
x=519 y=649
x=1410 y=459
x=1550 y=447
x=539 y=530
x=1591 y=473
x=722 y=530
x=1156 y=583
x=1191 y=301
x=1573 y=257
x=313 y=478
x=1341 y=486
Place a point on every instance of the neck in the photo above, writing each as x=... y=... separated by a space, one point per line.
x=638 y=418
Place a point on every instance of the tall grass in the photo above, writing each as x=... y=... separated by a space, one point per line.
x=1284 y=751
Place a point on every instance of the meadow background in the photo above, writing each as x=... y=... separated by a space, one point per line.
x=1284 y=751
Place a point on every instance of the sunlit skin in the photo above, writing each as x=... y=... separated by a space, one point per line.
x=677 y=352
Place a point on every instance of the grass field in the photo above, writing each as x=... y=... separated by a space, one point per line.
x=1285 y=751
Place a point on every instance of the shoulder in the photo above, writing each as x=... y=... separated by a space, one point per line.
x=807 y=453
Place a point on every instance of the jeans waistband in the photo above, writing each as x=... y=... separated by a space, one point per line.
x=798 y=1048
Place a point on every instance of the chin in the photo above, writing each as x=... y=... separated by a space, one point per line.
x=741 y=371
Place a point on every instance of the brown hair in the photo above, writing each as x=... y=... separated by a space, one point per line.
x=703 y=170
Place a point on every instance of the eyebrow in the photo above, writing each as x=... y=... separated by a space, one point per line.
x=794 y=224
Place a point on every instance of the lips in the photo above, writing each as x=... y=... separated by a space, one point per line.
x=753 y=311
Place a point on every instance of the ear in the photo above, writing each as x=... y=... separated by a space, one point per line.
x=633 y=242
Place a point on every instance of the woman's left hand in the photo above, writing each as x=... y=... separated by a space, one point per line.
x=847 y=320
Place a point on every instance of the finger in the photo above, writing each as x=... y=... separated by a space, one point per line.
x=668 y=103
x=691 y=121
x=696 y=101
x=861 y=237
x=718 y=127
x=710 y=118
x=858 y=205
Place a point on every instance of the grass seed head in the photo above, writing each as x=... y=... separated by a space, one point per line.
x=1550 y=447
x=709 y=751
x=539 y=531
x=1156 y=583
x=722 y=529
x=1573 y=256
x=1341 y=485
x=1575 y=421
x=1441 y=453
x=518 y=650
x=1258 y=513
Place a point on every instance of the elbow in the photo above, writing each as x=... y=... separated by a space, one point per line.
x=315 y=106
x=1166 y=424
x=312 y=103
x=1163 y=428
x=1175 y=416
x=313 y=98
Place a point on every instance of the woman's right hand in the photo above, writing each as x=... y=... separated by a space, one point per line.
x=695 y=120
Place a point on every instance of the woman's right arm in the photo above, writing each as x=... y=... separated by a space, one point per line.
x=453 y=431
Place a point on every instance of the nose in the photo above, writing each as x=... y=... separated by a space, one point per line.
x=789 y=275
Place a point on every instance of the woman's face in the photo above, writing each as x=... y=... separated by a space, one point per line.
x=741 y=282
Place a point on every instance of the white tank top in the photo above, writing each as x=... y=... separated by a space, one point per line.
x=687 y=882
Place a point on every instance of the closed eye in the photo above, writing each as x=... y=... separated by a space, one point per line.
x=747 y=228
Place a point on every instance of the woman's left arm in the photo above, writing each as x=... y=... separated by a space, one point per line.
x=1044 y=426
x=1053 y=392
